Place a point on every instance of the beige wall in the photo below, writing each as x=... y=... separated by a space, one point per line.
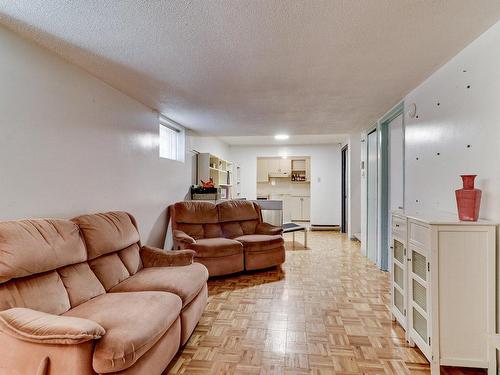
x=71 y=144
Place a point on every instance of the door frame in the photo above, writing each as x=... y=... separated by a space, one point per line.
x=344 y=189
x=383 y=240
x=372 y=129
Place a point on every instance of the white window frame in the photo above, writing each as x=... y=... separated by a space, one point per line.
x=169 y=127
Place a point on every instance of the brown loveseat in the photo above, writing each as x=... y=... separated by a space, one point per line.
x=83 y=297
x=227 y=237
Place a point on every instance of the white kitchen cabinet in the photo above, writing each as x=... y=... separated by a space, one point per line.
x=449 y=287
x=278 y=167
x=262 y=170
x=301 y=169
x=300 y=208
x=285 y=166
x=295 y=208
x=306 y=208
x=273 y=165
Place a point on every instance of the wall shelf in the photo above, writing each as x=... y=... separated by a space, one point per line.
x=219 y=170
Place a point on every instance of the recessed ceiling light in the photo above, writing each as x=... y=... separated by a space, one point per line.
x=281 y=137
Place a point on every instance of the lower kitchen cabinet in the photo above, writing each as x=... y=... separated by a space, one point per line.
x=300 y=208
x=443 y=288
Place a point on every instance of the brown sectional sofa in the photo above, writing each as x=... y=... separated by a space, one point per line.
x=227 y=237
x=83 y=297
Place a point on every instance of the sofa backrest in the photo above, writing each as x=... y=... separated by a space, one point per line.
x=31 y=252
x=238 y=217
x=113 y=246
x=197 y=219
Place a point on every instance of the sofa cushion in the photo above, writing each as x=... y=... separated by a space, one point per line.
x=80 y=283
x=184 y=281
x=131 y=258
x=109 y=269
x=44 y=292
x=28 y=247
x=199 y=231
x=107 y=232
x=216 y=247
x=134 y=322
x=212 y=230
x=249 y=226
x=232 y=229
x=237 y=210
x=195 y=231
x=259 y=242
x=195 y=213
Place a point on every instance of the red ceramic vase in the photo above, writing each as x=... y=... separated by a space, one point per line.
x=468 y=199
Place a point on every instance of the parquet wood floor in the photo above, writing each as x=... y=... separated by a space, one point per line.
x=324 y=312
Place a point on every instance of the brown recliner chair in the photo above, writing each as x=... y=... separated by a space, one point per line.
x=228 y=237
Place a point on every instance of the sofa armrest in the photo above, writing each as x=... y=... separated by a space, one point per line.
x=154 y=257
x=42 y=328
x=265 y=228
x=183 y=237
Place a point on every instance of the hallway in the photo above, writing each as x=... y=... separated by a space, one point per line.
x=324 y=313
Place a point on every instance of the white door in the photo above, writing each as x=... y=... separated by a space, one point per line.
x=372 y=175
x=396 y=164
x=396 y=172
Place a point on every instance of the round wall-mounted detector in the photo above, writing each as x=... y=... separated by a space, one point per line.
x=412 y=110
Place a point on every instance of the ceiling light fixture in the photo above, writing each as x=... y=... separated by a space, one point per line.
x=281 y=137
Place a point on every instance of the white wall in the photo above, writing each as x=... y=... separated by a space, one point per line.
x=212 y=145
x=465 y=116
x=71 y=144
x=354 y=194
x=325 y=175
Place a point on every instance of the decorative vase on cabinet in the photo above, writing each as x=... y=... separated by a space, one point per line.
x=468 y=199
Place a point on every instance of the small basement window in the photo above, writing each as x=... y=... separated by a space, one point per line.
x=172 y=138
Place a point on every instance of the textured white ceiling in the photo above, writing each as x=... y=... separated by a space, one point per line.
x=226 y=67
x=297 y=139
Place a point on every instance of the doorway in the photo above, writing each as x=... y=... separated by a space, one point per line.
x=391 y=185
x=343 y=225
x=372 y=196
x=286 y=179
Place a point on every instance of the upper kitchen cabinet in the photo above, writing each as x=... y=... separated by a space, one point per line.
x=262 y=170
x=279 y=167
x=301 y=169
x=297 y=169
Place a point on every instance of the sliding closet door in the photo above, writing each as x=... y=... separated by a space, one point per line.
x=372 y=192
x=396 y=167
